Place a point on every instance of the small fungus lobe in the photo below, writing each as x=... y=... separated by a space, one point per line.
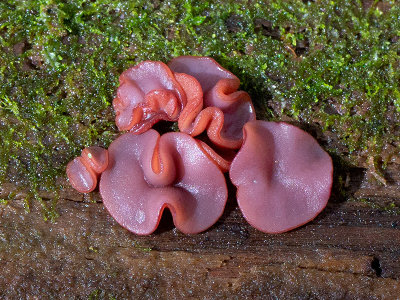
x=84 y=170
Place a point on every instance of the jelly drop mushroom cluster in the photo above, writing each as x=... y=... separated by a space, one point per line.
x=283 y=177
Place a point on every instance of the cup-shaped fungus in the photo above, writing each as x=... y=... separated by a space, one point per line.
x=148 y=93
x=283 y=176
x=214 y=102
x=147 y=173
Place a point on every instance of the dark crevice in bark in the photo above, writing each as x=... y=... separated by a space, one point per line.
x=376 y=266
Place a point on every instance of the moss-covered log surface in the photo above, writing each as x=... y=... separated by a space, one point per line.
x=330 y=67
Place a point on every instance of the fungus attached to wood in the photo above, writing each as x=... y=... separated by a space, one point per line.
x=226 y=109
x=147 y=173
x=147 y=94
x=283 y=176
x=84 y=170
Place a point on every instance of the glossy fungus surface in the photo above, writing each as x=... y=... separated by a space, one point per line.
x=283 y=176
x=148 y=92
x=84 y=170
x=147 y=174
x=225 y=109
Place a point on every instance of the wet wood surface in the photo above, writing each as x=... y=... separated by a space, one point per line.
x=350 y=251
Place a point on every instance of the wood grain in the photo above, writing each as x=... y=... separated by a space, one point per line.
x=350 y=251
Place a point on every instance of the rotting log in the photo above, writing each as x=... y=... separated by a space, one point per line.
x=351 y=250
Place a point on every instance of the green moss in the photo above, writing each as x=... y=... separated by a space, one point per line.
x=390 y=207
x=334 y=63
x=93 y=249
x=141 y=248
x=96 y=294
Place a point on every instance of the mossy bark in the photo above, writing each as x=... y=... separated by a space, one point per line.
x=330 y=67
